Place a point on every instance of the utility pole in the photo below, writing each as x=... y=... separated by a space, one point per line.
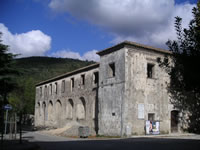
x=20 y=128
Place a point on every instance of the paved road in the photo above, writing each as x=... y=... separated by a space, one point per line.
x=48 y=142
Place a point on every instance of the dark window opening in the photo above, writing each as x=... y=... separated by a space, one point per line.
x=151 y=116
x=45 y=91
x=96 y=77
x=111 y=70
x=113 y=114
x=41 y=91
x=56 y=88
x=174 y=120
x=72 y=82
x=63 y=86
x=83 y=79
x=150 y=68
x=50 y=89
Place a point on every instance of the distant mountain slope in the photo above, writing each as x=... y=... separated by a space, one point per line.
x=43 y=68
x=34 y=70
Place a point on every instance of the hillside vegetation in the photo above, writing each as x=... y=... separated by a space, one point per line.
x=34 y=70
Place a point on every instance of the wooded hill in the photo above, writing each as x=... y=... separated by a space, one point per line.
x=34 y=70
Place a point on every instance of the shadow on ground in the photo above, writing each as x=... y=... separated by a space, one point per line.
x=125 y=144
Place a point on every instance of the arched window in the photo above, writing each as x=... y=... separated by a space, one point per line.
x=44 y=110
x=39 y=111
x=50 y=111
x=58 y=111
x=69 y=109
x=58 y=106
x=81 y=109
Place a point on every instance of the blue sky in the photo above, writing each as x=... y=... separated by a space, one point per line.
x=77 y=29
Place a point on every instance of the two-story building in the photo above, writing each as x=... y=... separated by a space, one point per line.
x=114 y=97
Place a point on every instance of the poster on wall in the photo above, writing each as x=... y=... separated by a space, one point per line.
x=152 y=127
x=140 y=111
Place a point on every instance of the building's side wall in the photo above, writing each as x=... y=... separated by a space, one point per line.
x=143 y=91
x=75 y=106
x=111 y=93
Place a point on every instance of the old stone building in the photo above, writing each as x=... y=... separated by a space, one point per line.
x=113 y=97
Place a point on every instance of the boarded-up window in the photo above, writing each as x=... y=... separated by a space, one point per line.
x=50 y=111
x=80 y=110
x=69 y=109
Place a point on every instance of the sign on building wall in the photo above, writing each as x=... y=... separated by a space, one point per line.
x=152 y=127
x=140 y=111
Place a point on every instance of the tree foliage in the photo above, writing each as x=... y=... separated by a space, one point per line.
x=7 y=72
x=22 y=98
x=7 y=78
x=185 y=71
x=35 y=70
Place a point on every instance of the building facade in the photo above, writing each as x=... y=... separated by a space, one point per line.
x=114 y=97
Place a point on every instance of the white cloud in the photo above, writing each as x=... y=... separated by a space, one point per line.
x=32 y=43
x=145 y=21
x=89 y=55
x=66 y=54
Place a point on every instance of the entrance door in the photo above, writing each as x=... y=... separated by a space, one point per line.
x=174 y=121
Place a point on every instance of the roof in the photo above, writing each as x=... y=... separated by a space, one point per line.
x=96 y=65
x=104 y=52
x=134 y=44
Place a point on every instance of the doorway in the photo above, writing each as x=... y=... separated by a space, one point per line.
x=174 y=121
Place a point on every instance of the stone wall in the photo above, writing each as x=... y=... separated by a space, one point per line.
x=111 y=93
x=131 y=89
x=145 y=93
x=61 y=102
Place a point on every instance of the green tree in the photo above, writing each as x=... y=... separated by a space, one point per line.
x=22 y=98
x=185 y=71
x=7 y=78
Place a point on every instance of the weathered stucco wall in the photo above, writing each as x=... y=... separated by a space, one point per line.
x=111 y=93
x=58 y=104
x=142 y=90
x=131 y=89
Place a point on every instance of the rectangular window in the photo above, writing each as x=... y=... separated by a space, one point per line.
x=63 y=86
x=83 y=79
x=72 y=83
x=45 y=91
x=40 y=91
x=111 y=70
x=151 y=116
x=96 y=77
x=56 y=88
x=150 y=70
x=50 y=91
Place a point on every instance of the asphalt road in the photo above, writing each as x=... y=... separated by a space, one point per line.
x=48 y=142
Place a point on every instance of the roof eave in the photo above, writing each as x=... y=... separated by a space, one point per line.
x=96 y=65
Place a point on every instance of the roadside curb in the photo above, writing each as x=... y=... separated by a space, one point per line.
x=177 y=136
